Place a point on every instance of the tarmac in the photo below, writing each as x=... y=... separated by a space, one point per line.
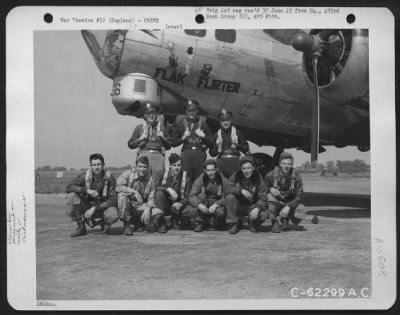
x=334 y=253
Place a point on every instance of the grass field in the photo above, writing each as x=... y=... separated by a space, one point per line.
x=50 y=184
x=342 y=184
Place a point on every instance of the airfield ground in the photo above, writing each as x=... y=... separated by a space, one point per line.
x=335 y=253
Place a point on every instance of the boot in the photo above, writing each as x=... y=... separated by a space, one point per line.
x=175 y=224
x=254 y=226
x=162 y=229
x=162 y=224
x=235 y=228
x=276 y=227
x=106 y=228
x=198 y=227
x=285 y=225
x=219 y=223
x=138 y=226
x=80 y=230
x=140 y=229
x=127 y=229
x=212 y=224
x=153 y=224
x=297 y=221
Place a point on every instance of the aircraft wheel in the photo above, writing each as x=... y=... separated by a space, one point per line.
x=264 y=162
x=363 y=148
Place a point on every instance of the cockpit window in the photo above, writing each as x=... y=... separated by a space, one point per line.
x=227 y=36
x=198 y=33
x=106 y=48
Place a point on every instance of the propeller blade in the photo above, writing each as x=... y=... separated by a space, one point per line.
x=283 y=36
x=150 y=33
x=315 y=116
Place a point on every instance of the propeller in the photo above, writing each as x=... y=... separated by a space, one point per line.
x=313 y=45
x=150 y=33
x=315 y=116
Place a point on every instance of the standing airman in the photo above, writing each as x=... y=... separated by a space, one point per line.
x=229 y=142
x=150 y=141
x=195 y=135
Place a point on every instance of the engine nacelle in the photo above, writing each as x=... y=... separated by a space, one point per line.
x=343 y=68
x=133 y=91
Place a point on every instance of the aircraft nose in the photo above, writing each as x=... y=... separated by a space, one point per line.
x=106 y=49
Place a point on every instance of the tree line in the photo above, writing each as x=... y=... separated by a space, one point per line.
x=355 y=166
x=63 y=168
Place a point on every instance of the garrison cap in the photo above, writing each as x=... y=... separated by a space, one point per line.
x=247 y=159
x=224 y=114
x=210 y=162
x=173 y=158
x=143 y=160
x=191 y=104
x=150 y=108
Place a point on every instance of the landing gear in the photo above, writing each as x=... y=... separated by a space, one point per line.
x=263 y=162
x=363 y=148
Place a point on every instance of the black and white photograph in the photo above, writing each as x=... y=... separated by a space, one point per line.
x=204 y=166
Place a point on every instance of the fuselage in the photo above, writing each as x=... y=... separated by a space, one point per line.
x=257 y=77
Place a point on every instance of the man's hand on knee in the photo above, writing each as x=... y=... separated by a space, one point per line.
x=284 y=212
x=212 y=208
x=176 y=206
x=275 y=192
x=254 y=214
x=202 y=208
x=146 y=216
x=92 y=192
x=88 y=214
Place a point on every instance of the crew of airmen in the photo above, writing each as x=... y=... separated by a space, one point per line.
x=193 y=192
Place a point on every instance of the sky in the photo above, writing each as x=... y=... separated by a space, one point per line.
x=74 y=116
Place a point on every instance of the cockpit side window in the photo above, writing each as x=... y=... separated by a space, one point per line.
x=198 y=33
x=227 y=36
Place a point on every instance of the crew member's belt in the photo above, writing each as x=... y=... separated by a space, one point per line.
x=229 y=156
x=152 y=151
x=191 y=148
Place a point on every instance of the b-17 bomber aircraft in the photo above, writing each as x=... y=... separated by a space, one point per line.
x=287 y=88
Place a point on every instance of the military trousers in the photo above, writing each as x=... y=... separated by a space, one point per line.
x=236 y=210
x=275 y=206
x=131 y=211
x=185 y=215
x=228 y=166
x=217 y=218
x=77 y=205
x=192 y=162
x=164 y=203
